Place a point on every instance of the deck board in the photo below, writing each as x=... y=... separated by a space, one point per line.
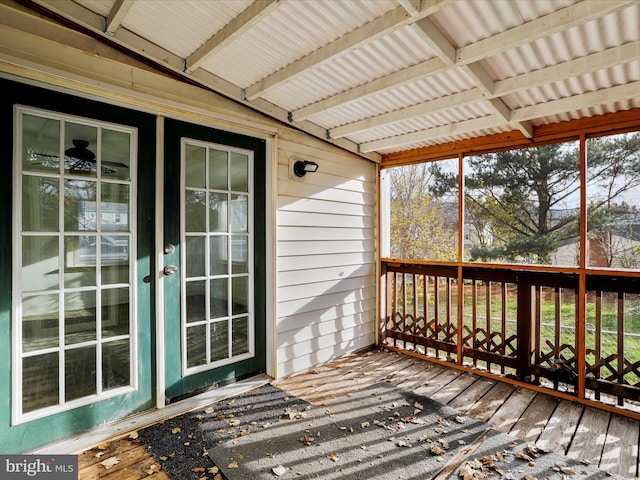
x=487 y=405
x=589 y=438
x=510 y=412
x=454 y=388
x=471 y=395
x=561 y=426
x=133 y=464
x=534 y=419
x=376 y=370
x=440 y=381
x=422 y=378
x=620 y=453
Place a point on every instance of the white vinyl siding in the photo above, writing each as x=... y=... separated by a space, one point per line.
x=326 y=227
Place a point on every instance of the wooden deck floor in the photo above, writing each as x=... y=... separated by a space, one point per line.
x=585 y=433
x=607 y=440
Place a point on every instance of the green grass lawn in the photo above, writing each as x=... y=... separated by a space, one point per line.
x=549 y=325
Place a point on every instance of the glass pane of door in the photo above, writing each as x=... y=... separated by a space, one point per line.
x=216 y=311
x=74 y=338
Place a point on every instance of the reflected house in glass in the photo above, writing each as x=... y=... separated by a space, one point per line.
x=113 y=248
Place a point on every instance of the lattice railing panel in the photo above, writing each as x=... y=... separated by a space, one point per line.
x=522 y=323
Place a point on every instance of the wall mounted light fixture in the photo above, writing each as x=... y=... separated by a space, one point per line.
x=301 y=167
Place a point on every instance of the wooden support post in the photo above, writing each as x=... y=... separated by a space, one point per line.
x=525 y=327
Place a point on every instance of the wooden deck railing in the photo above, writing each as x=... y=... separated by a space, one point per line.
x=569 y=333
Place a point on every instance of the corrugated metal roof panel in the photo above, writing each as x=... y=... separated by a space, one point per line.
x=181 y=26
x=354 y=68
x=569 y=44
x=426 y=89
x=293 y=30
x=380 y=73
x=467 y=21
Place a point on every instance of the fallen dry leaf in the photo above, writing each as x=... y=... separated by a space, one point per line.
x=133 y=435
x=213 y=470
x=234 y=423
x=234 y=464
x=176 y=430
x=198 y=470
x=436 y=450
x=208 y=410
x=103 y=445
x=522 y=455
x=334 y=457
x=418 y=405
x=307 y=439
x=279 y=470
x=217 y=477
x=152 y=469
x=110 y=462
x=403 y=443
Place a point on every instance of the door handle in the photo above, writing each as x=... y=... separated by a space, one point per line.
x=170 y=270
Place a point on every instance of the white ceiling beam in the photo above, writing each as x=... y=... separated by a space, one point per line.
x=447 y=52
x=75 y=12
x=524 y=114
x=519 y=35
x=248 y=18
x=479 y=76
x=378 y=27
x=407 y=75
x=608 y=58
x=436 y=40
x=367 y=32
x=433 y=106
x=555 y=22
x=473 y=125
x=525 y=127
x=411 y=6
x=583 y=101
x=116 y=15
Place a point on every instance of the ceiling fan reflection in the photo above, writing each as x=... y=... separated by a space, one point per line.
x=82 y=160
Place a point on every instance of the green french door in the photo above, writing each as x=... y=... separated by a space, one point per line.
x=77 y=303
x=214 y=257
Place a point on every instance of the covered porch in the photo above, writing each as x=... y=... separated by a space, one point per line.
x=355 y=88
